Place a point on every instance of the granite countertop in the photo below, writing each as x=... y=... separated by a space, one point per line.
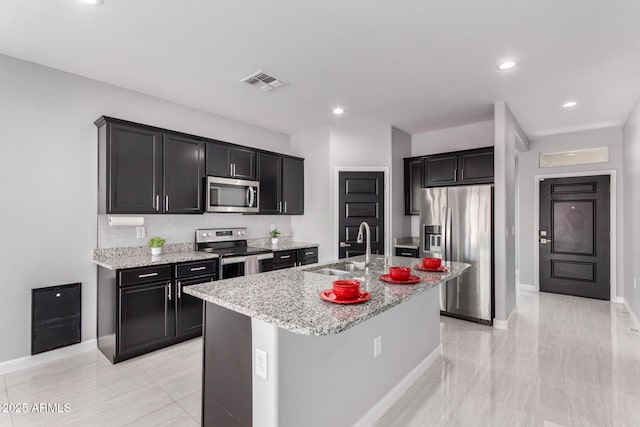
x=289 y=299
x=284 y=246
x=132 y=257
x=407 y=242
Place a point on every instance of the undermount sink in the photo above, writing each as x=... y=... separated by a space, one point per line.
x=338 y=269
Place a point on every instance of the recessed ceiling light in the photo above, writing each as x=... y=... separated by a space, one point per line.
x=338 y=111
x=507 y=65
x=569 y=104
x=92 y=2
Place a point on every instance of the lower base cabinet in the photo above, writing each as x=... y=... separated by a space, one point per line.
x=295 y=257
x=144 y=309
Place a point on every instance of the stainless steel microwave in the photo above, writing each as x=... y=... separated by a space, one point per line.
x=231 y=195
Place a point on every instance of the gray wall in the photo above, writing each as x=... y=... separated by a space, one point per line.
x=508 y=136
x=632 y=207
x=528 y=168
x=48 y=169
x=400 y=148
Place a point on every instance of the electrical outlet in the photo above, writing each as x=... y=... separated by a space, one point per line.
x=140 y=232
x=261 y=363
x=377 y=346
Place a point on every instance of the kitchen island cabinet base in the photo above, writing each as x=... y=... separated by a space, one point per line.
x=315 y=380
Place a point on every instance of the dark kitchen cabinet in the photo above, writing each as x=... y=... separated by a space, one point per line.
x=229 y=161
x=281 y=184
x=440 y=170
x=295 y=257
x=292 y=186
x=145 y=316
x=182 y=174
x=131 y=168
x=407 y=252
x=270 y=177
x=443 y=170
x=144 y=170
x=476 y=167
x=413 y=177
x=144 y=309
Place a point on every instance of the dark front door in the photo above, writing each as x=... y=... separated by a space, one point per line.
x=361 y=199
x=574 y=236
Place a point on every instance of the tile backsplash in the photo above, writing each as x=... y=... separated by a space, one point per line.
x=181 y=228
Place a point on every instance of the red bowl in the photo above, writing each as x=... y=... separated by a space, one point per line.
x=346 y=289
x=399 y=273
x=431 y=263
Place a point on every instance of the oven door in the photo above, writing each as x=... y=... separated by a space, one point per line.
x=240 y=266
x=231 y=195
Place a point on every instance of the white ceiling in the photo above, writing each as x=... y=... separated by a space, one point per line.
x=419 y=65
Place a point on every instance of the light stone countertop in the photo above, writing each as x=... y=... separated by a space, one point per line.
x=289 y=299
x=134 y=259
x=284 y=246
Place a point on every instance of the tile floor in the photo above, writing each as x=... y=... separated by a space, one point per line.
x=563 y=361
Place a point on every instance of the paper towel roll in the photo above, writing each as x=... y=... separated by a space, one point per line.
x=119 y=221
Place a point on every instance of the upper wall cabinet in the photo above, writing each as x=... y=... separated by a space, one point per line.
x=462 y=167
x=412 y=185
x=143 y=170
x=442 y=170
x=229 y=161
x=281 y=184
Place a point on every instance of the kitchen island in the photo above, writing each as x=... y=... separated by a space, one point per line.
x=275 y=354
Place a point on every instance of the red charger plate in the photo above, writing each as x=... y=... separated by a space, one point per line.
x=441 y=269
x=328 y=295
x=410 y=281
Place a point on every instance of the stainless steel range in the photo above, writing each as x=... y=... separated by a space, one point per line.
x=236 y=257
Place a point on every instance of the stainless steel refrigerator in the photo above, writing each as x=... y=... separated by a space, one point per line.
x=456 y=224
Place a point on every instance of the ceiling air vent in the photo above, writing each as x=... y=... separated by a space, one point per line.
x=264 y=81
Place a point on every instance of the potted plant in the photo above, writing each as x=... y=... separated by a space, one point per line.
x=156 y=243
x=274 y=236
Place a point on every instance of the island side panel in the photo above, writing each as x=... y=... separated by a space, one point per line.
x=227 y=374
x=336 y=381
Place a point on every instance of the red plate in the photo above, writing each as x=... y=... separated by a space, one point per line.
x=441 y=269
x=410 y=281
x=328 y=295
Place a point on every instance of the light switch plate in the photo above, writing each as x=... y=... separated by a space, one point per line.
x=377 y=346
x=261 y=363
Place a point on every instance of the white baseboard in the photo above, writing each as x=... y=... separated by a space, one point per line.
x=384 y=404
x=526 y=287
x=619 y=300
x=504 y=324
x=49 y=356
x=634 y=319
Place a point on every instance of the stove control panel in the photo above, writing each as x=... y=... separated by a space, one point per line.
x=208 y=235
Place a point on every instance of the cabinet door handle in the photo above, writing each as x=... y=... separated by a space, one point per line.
x=462 y=175
x=230 y=169
x=233 y=169
x=455 y=174
x=309 y=253
x=157 y=205
x=198 y=268
x=406 y=253
x=280 y=206
x=285 y=207
x=142 y=276
x=179 y=290
x=285 y=257
x=166 y=203
x=169 y=290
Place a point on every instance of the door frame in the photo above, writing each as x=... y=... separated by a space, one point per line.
x=335 y=241
x=613 y=238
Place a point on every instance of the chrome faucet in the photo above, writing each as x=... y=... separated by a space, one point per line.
x=367 y=257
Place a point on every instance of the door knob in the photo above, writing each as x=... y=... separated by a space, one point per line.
x=545 y=241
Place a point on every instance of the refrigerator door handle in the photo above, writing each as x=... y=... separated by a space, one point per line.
x=444 y=234
x=449 y=235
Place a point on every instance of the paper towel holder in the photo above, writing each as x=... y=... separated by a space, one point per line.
x=125 y=221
